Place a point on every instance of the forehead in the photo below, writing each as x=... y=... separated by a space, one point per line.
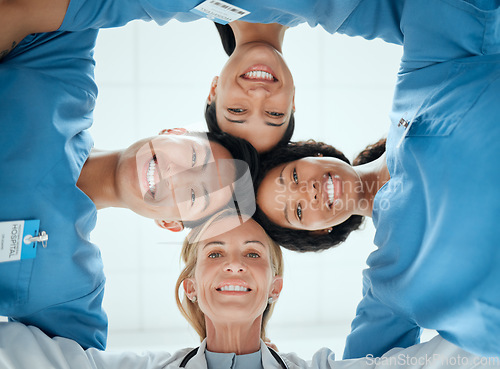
x=272 y=196
x=231 y=232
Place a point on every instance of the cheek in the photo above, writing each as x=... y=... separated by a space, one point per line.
x=263 y=275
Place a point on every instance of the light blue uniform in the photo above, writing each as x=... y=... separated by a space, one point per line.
x=47 y=96
x=43 y=146
x=437 y=233
x=437 y=260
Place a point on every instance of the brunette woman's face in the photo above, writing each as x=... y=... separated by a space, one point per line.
x=233 y=277
x=254 y=95
x=313 y=193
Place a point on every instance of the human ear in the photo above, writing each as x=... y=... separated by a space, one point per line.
x=171 y=225
x=212 y=93
x=276 y=287
x=189 y=288
x=322 y=232
x=293 y=100
x=173 y=131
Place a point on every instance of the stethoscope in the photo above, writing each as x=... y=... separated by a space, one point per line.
x=193 y=352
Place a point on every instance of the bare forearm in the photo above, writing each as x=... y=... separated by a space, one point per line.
x=19 y=18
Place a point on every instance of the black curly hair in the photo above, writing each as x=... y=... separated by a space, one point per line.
x=302 y=240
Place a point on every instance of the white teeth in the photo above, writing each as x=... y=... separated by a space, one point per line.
x=234 y=288
x=259 y=74
x=331 y=190
x=150 y=176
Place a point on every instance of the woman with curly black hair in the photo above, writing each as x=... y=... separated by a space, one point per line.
x=310 y=198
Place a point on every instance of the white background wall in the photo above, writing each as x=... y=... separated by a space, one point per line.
x=153 y=77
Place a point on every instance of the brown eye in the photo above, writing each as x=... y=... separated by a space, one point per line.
x=275 y=114
x=295 y=176
x=236 y=110
x=193 y=158
x=299 y=212
x=193 y=197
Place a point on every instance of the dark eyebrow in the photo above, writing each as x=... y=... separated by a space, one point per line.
x=206 y=197
x=282 y=182
x=275 y=124
x=208 y=151
x=235 y=121
x=204 y=167
x=285 y=211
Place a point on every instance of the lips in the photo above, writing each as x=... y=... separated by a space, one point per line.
x=156 y=189
x=234 y=287
x=331 y=190
x=259 y=73
x=151 y=177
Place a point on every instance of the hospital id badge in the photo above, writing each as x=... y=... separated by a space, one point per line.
x=19 y=239
x=219 y=11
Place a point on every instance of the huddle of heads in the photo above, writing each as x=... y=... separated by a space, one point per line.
x=241 y=205
x=231 y=242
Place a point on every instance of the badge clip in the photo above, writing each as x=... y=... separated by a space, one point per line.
x=42 y=237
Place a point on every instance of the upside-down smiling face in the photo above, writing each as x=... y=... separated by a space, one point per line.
x=254 y=95
x=233 y=278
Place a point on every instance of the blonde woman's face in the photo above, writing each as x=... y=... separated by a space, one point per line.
x=233 y=276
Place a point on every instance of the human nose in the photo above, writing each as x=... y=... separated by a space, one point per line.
x=234 y=265
x=313 y=190
x=311 y=193
x=257 y=91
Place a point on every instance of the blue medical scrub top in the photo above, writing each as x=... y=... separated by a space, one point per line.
x=437 y=260
x=47 y=98
x=436 y=263
x=43 y=146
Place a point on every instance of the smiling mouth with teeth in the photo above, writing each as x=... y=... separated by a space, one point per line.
x=233 y=288
x=150 y=175
x=330 y=188
x=259 y=75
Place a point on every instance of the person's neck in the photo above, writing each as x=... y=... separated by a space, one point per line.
x=373 y=176
x=240 y=339
x=272 y=33
x=97 y=178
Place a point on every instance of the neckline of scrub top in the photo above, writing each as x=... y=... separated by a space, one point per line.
x=221 y=360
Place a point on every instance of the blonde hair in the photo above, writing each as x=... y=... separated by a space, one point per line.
x=190 y=310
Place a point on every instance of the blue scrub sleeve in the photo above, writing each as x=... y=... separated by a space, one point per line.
x=83 y=320
x=93 y=14
x=376 y=19
x=330 y=14
x=437 y=31
x=377 y=328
